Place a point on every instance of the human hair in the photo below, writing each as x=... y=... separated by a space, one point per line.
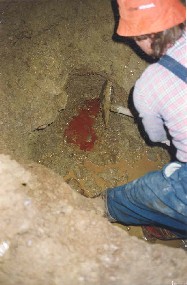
x=163 y=40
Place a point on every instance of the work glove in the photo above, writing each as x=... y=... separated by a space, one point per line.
x=167 y=142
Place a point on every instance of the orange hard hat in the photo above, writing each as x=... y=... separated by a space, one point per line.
x=141 y=17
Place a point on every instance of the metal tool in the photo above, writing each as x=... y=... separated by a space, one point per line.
x=106 y=106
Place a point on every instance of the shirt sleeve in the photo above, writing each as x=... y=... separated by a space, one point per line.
x=145 y=104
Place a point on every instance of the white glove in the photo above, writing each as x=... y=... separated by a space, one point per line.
x=121 y=110
x=166 y=142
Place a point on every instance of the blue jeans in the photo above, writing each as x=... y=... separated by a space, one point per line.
x=159 y=198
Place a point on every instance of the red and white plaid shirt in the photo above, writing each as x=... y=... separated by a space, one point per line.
x=160 y=97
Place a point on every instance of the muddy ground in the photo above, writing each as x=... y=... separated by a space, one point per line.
x=55 y=57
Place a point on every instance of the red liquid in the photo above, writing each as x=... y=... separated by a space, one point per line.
x=80 y=130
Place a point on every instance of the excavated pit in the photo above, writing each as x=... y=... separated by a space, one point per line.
x=89 y=156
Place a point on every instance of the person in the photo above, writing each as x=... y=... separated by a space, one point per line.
x=158 y=198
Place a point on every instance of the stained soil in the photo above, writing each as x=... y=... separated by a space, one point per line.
x=117 y=155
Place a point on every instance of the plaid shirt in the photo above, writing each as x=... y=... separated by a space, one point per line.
x=160 y=97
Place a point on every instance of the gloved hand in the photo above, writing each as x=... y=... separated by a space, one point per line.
x=166 y=142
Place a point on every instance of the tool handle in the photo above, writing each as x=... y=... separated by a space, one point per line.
x=121 y=110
